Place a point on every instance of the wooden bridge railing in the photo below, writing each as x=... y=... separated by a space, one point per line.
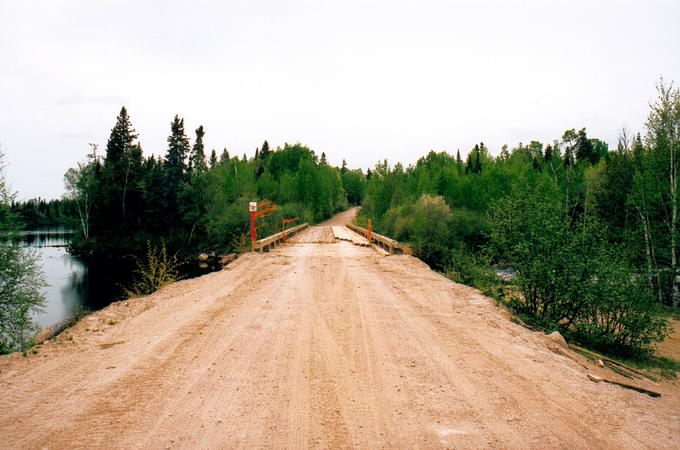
x=264 y=244
x=388 y=244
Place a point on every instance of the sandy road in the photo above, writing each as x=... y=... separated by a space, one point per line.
x=317 y=345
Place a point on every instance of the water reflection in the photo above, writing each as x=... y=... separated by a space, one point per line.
x=75 y=285
x=65 y=275
x=43 y=238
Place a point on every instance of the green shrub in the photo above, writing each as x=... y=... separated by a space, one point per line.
x=157 y=271
x=566 y=275
x=622 y=314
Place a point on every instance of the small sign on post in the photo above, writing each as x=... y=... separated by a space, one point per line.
x=254 y=214
x=253 y=209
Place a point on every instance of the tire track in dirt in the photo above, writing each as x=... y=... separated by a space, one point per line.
x=315 y=345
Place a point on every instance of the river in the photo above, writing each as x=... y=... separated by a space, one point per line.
x=67 y=276
x=76 y=286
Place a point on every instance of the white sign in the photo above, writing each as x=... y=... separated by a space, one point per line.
x=253 y=206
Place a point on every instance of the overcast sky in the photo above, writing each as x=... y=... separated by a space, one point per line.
x=358 y=80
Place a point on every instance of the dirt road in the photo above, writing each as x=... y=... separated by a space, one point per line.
x=318 y=345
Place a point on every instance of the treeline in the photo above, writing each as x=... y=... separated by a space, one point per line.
x=190 y=201
x=590 y=232
x=39 y=213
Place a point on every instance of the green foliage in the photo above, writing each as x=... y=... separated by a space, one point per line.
x=189 y=204
x=21 y=281
x=157 y=271
x=568 y=277
x=474 y=269
x=354 y=184
x=430 y=229
x=39 y=213
x=20 y=278
x=592 y=234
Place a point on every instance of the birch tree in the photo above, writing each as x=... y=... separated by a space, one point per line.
x=79 y=185
x=663 y=139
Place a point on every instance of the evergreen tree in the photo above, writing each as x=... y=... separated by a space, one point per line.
x=120 y=174
x=197 y=158
x=265 y=150
x=213 y=159
x=224 y=157
x=548 y=153
x=474 y=162
x=583 y=148
x=175 y=168
x=122 y=136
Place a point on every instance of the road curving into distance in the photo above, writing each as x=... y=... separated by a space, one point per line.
x=319 y=343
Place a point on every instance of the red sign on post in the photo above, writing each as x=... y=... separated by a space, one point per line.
x=255 y=214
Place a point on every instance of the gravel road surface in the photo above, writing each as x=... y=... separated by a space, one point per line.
x=323 y=345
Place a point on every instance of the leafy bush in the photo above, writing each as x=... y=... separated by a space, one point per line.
x=473 y=270
x=430 y=230
x=566 y=275
x=20 y=284
x=157 y=271
x=622 y=314
x=20 y=277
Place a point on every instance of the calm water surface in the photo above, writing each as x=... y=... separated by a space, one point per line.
x=67 y=276
x=75 y=285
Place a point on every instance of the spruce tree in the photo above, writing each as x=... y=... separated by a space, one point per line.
x=122 y=135
x=584 y=148
x=197 y=158
x=265 y=150
x=474 y=163
x=175 y=168
x=548 y=153
x=120 y=174
x=213 y=159
x=224 y=157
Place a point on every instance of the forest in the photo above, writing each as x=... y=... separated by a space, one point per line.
x=189 y=201
x=590 y=232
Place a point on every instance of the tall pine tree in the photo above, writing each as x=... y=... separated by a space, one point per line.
x=265 y=150
x=175 y=168
x=197 y=159
x=117 y=194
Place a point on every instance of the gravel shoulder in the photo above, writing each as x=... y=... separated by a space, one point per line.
x=319 y=345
